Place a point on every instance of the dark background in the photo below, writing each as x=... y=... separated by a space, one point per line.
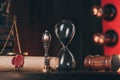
x=36 y=16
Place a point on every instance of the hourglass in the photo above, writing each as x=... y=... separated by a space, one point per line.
x=65 y=31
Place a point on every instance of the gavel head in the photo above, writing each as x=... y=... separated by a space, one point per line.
x=102 y=63
x=97 y=63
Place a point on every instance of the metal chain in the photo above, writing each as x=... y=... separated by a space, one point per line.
x=17 y=37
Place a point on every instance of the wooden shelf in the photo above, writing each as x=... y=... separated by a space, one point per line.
x=74 y=75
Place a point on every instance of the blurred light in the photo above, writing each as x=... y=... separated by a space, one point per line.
x=99 y=38
x=11 y=53
x=118 y=71
x=96 y=39
x=97 y=11
x=25 y=53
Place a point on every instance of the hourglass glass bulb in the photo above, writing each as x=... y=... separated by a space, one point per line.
x=65 y=31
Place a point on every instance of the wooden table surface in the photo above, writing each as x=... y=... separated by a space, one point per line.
x=72 y=75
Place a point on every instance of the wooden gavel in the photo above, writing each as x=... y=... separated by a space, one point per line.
x=102 y=63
